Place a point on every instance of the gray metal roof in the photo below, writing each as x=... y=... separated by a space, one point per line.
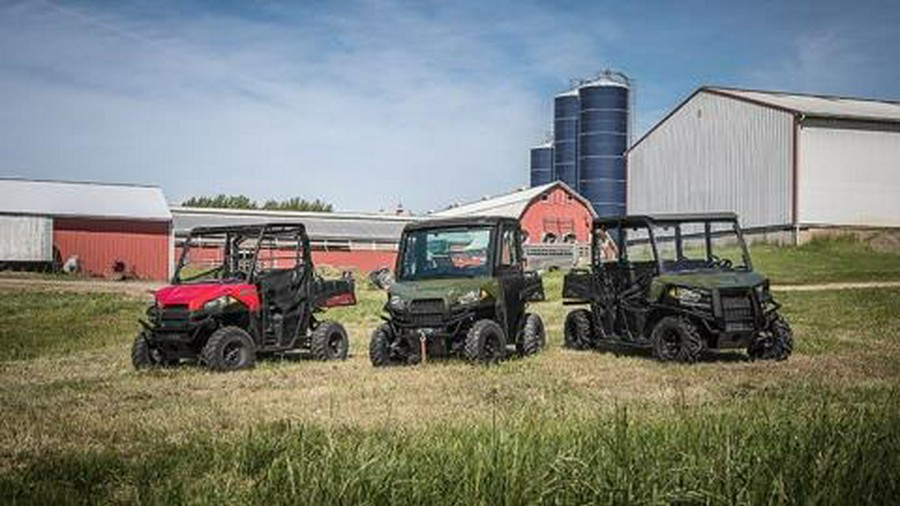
x=819 y=105
x=510 y=204
x=81 y=199
x=319 y=226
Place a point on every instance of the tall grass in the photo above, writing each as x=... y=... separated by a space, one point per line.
x=759 y=452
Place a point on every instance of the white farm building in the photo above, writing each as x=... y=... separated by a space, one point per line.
x=781 y=161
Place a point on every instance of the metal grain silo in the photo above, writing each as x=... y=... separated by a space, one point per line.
x=541 y=164
x=565 y=137
x=602 y=141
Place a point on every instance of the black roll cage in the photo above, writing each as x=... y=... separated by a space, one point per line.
x=236 y=234
x=496 y=224
x=651 y=222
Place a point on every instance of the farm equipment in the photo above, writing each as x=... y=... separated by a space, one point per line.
x=460 y=289
x=241 y=291
x=678 y=284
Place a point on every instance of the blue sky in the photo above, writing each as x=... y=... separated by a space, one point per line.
x=369 y=103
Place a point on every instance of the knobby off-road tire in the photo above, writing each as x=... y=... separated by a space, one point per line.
x=778 y=345
x=485 y=342
x=534 y=337
x=229 y=349
x=329 y=341
x=384 y=352
x=577 y=334
x=144 y=356
x=676 y=339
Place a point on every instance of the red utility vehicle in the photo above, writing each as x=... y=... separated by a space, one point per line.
x=240 y=291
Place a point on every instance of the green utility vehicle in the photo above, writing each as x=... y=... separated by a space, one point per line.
x=461 y=289
x=679 y=284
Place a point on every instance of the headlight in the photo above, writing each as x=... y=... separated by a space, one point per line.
x=471 y=297
x=397 y=303
x=217 y=303
x=762 y=291
x=687 y=295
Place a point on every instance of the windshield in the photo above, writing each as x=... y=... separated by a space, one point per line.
x=230 y=257
x=692 y=246
x=445 y=253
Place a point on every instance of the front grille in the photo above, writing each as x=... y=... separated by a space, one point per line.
x=427 y=306
x=427 y=320
x=174 y=316
x=737 y=308
x=426 y=312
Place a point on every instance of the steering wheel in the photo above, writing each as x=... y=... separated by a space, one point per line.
x=724 y=263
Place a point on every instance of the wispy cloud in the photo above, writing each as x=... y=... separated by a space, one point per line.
x=379 y=103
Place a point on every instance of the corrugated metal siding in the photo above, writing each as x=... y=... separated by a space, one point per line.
x=142 y=246
x=26 y=239
x=716 y=154
x=849 y=177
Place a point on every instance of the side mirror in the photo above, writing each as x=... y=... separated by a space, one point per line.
x=381 y=278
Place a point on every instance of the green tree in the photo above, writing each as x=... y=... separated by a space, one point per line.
x=298 y=204
x=222 y=201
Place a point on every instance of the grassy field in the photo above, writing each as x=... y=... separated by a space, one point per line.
x=824 y=260
x=78 y=425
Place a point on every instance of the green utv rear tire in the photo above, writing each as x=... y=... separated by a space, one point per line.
x=143 y=356
x=229 y=349
x=329 y=341
x=577 y=331
x=677 y=339
x=778 y=346
x=485 y=342
x=534 y=337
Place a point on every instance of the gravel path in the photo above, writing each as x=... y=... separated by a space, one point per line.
x=137 y=289
x=821 y=287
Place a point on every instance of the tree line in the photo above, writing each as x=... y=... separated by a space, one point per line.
x=244 y=202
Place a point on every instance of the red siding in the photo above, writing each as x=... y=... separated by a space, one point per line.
x=143 y=246
x=559 y=213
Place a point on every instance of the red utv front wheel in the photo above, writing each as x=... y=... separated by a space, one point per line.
x=145 y=356
x=229 y=349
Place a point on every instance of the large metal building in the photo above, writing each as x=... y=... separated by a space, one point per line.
x=782 y=161
x=112 y=229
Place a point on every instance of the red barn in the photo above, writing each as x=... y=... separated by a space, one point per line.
x=113 y=229
x=549 y=213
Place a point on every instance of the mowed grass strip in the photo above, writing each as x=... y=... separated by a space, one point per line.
x=826 y=260
x=39 y=323
x=753 y=452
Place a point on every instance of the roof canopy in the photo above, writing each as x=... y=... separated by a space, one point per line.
x=818 y=105
x=511 y=205
x=78 y=199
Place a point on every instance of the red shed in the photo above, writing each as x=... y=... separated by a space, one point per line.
x=113 y=229
x=549 y=213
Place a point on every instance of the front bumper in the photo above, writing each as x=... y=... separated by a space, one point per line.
x=175 y=324
x=740 y=315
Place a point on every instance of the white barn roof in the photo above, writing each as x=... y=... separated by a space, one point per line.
x=510 y=204
x=80 y=199
x=818 y=105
